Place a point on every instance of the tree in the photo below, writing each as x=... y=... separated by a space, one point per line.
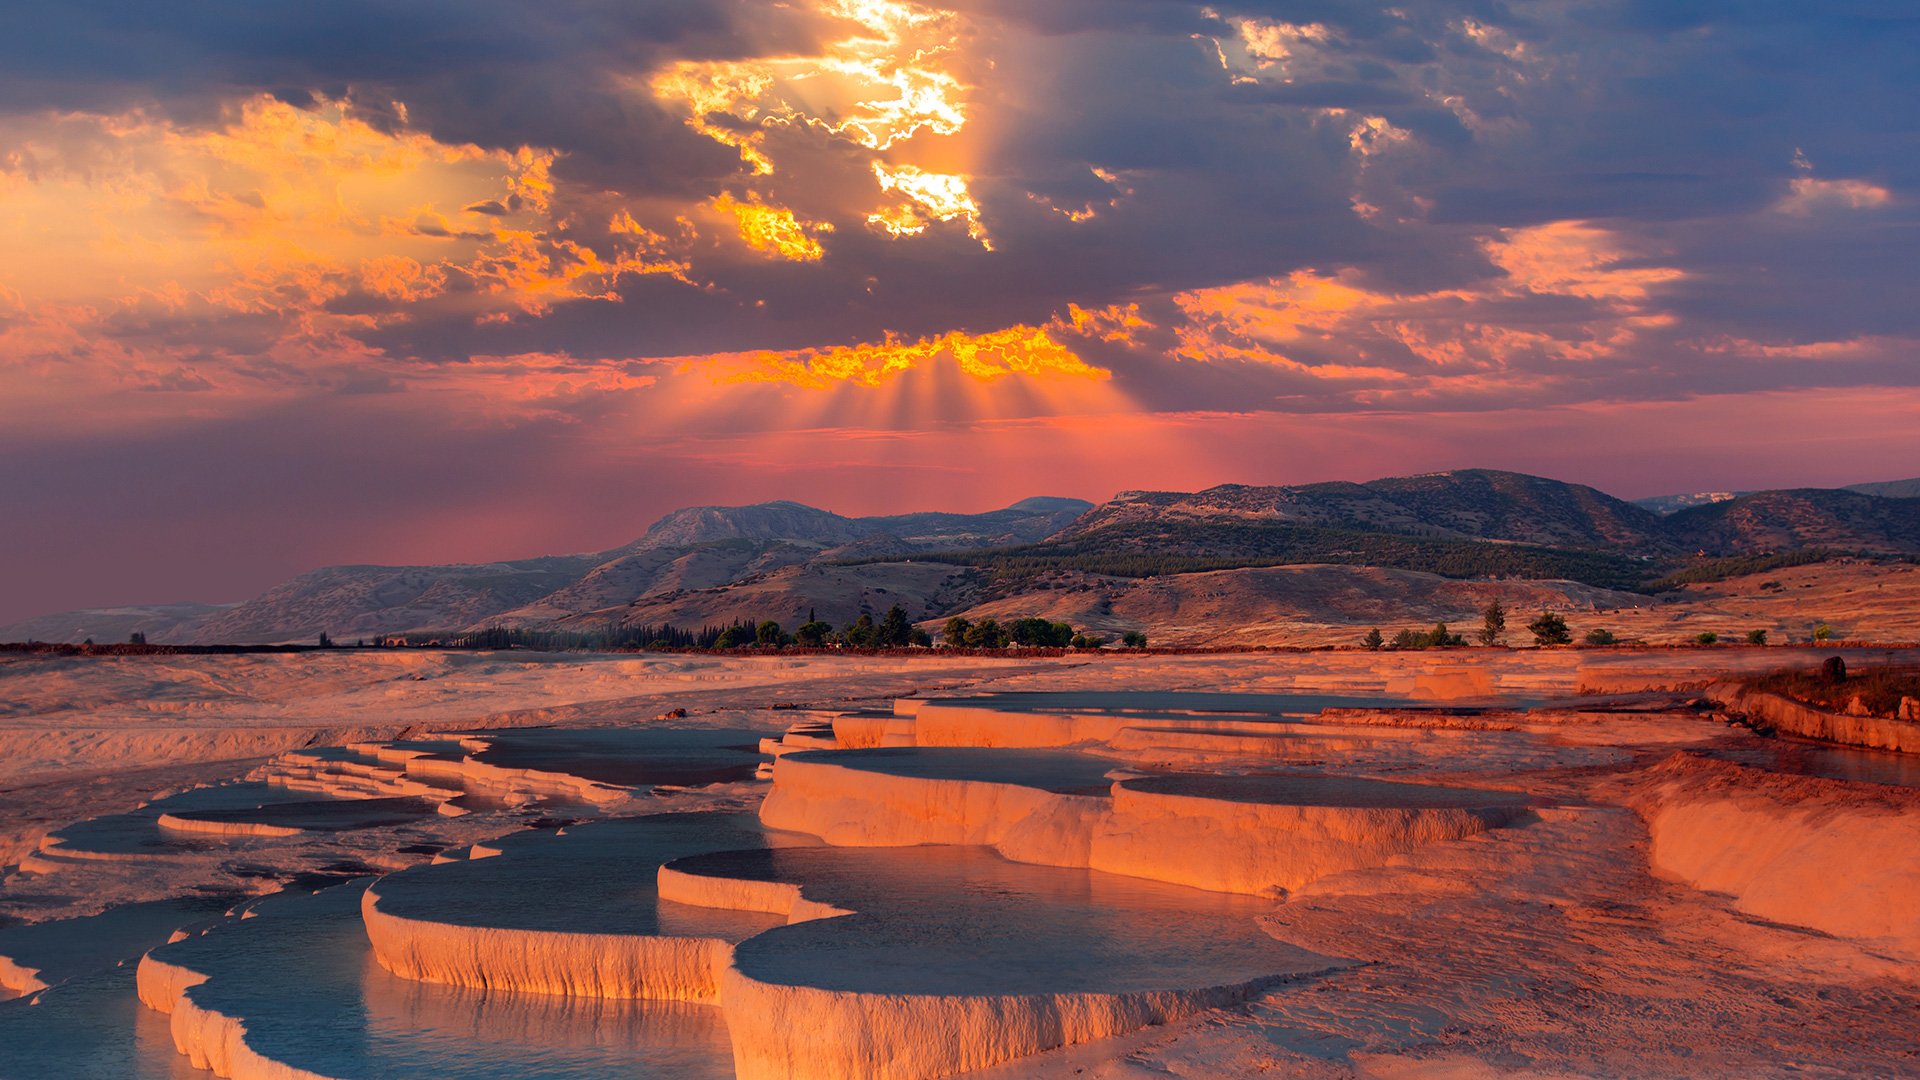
x=1550 y=629
x=1442 y=638
x=917 y=636
x=1706 y=637
x=895 y=631
x=1823 y=632
x=812 y=634
x=770 y=633
x=325 y=641
x=734 y=637
x=1040 y=633
x=1373 y=640
x=1134 y=639
x=955 y=632
x=987 y=634
x=138 y=637
x=1756 y=637
x=862 y=633
x=1493 y=623
x=1408 y=639
x=1088 y=641
x=1601 y=637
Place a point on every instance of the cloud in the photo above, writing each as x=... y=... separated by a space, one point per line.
x=616 y=223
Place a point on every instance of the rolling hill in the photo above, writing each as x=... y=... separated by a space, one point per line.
x=1335 y=552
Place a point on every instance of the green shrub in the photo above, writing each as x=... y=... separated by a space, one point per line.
x=1550 y=629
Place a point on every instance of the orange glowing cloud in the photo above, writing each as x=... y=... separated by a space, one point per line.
x=772 y=230
x=1335 y=328
x=926 y=197
x=277 y=208
x=1032 y=351
x=1807 y=195
x=890 y=76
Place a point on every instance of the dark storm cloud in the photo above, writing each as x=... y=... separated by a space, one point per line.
x=1649 y=116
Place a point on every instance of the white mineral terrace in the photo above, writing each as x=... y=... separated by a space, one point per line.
x=1529 y=870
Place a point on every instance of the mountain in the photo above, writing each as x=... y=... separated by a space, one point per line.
x=1765 y=521
x=1465 y=504
x=1029 y=519
x=764 y=521
x=350 y=602
x=1149 y=559
x=681 y=555
x=159 y=622
x=1667 y=504
x=1889 y=489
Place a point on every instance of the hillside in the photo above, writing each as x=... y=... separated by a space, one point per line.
x=1889 y=489
x=1465 y=504
x=366 y=601
x=1799 y=518
x=1333 y=555
x=159 y=622
x=1286 y=605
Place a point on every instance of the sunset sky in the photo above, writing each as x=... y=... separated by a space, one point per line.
x=287 y=285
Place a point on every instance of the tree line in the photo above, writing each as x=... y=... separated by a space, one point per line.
x=893 y=630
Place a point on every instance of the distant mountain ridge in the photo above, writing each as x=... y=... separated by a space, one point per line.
x=1889 y=489
x=685 y=551
x=785 y=560
x=1465 y=504
x=1667 y=504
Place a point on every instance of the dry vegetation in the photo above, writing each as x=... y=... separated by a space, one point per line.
x=1878 y=690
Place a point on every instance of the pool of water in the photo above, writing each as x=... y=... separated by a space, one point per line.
x=1176 y=703
x=629 y=757
x=963 y=920
x=304 y=981
x=608 y=869
x=1317 y=790
x=1803 y=758
x=1059 y=771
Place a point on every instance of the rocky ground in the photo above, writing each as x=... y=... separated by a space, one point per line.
x=1685 y=898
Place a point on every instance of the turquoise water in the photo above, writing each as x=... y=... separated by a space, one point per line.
x=963 y=920
x=304 y=980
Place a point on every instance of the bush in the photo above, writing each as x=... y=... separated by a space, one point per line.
x=1756 y=637
x=1823 y=632
x=1550 y=629
x=1039 y=633
x=1373 y=640
x=1134 y=639
x=1706 y=637
x=1879 y=689
x=1601 y=637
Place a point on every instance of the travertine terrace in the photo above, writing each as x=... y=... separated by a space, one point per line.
x=1482 y=863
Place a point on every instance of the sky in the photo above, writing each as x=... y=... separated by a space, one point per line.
x=291 y=285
